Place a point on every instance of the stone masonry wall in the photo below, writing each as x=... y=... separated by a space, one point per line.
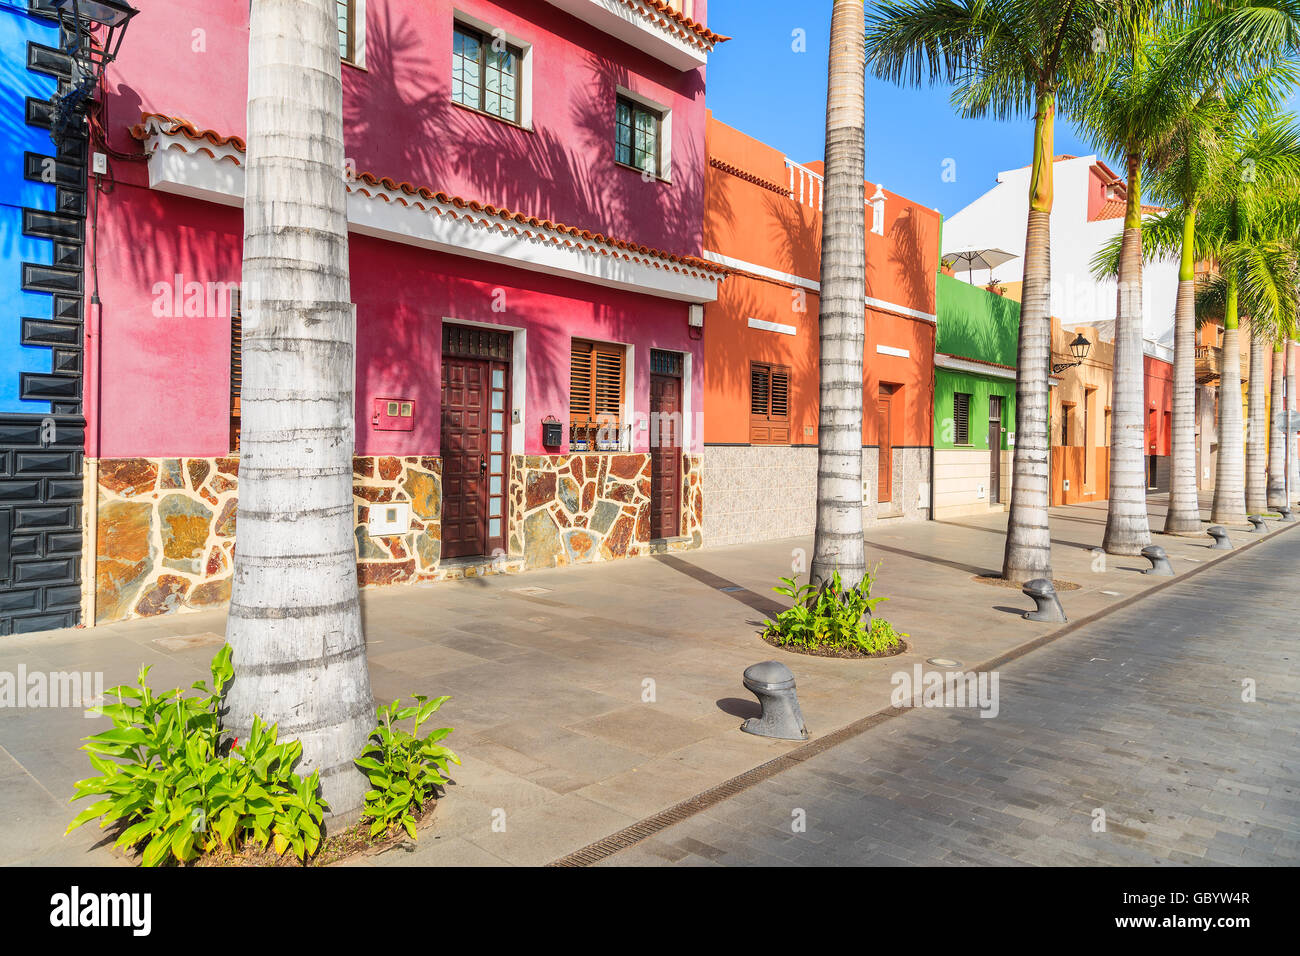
x=165 y=535
x=585 y=507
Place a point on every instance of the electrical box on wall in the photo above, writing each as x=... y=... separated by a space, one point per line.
x=389 y=518
x=393 y=415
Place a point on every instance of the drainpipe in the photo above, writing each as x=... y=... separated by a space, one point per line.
x=90 y=464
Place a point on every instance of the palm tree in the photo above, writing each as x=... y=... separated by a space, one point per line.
x=1007 y=58
x=1134 y=108
x=838 y=544
x=1245 y=228
x=1257 y=424
x=295 y=623
x=1276 y=492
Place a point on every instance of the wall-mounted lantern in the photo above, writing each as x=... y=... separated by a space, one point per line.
x=93 y=32
x=1079 y=349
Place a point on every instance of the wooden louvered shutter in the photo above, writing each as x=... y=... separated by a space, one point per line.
x=580 y=411
x=236 y=367
x=779 y=415
x=961 y=418
x=607 y=385
x=769 y=404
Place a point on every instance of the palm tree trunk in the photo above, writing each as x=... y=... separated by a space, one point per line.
x=1256 y=448
x=1184 y=515
x=1276 y=433
x=295 y=623
x=1127 y=527
x=1229 y=479
x=838 y=542
x=1028 y=550
x=1292 y=404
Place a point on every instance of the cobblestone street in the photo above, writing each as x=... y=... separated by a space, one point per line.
x=1139 y=715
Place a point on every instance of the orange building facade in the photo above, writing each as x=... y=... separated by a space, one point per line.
x=763 y=222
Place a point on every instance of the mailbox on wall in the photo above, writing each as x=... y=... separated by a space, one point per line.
x=393 y=415
x=551 y=432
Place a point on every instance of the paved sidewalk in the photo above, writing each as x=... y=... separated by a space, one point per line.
x=1139 y=714
x=548 y=671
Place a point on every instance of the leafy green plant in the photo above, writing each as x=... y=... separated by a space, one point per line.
x=182 y=787
x=832 y=616
x=404 y=768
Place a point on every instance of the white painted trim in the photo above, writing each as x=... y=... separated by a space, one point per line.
x=518 y=373
x=665 y=128
x=963 y=365
x=359 y=40
x=810 y=284
x=642 y=28
x=892 y=350
x=216 y=173
x=525 y=66
x=910 y=313
x=772 y=326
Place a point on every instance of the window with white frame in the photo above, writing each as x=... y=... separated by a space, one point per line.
x=642 y=134
x=351 y=17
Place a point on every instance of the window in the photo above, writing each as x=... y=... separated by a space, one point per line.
x=236 y=367
x=769 y=404
x=637 y=135
x=961 y=418
x=596 y=377
x=485 y=73
x=1066 y=411
x=351 y=14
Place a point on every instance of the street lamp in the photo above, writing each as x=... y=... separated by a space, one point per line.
x=1079 y=349
x=94 y=31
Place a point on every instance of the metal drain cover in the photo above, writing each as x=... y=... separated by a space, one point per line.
x=943 y=662
x=531 y=590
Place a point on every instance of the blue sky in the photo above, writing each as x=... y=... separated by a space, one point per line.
x=758 y=84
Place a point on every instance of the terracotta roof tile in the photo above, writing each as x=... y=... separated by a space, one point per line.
x=175 y=125
x=699 y=29
x=1116 y=208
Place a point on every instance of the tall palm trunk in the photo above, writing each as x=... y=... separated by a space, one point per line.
x=1276 y=433
x=1028 y=550
x=1229 y=479
x=295 y=623
x=1184 y=515
x=1293 y=403
x=1127 y=528
x=1256 y=447
x=838 y=543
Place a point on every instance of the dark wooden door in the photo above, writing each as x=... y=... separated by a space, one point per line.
x=665 y=456
x=464 y=456
x=995 y=449
x=884 y=420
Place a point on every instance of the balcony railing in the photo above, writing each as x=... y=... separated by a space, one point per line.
x=806 y=187
x=1209 y=364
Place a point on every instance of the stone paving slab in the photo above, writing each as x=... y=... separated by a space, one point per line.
x=1139 y=714
x=613 y=693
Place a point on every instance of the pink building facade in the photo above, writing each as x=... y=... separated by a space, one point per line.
x=526 y=209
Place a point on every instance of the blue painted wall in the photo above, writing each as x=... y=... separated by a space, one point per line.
x=17 y=27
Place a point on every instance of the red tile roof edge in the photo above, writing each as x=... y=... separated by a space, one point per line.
x=964 y=358
x=140 y=131
x=698 y=29
x=748 y=177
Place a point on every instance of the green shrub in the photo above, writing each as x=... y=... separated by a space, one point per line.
x=832 y=617
x=181 y=787
x=404 y=768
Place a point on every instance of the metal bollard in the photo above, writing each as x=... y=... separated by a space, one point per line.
x=773 y=684
x=1159 y=560
x=1049 y=605
x=1258 y=522
x=1286 y=514
x=1220 y=535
